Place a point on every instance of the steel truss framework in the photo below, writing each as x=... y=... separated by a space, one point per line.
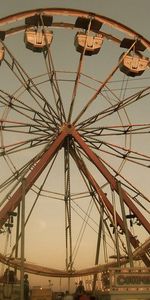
x=101 y=129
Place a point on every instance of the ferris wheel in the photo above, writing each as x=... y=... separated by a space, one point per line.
x=74 y=138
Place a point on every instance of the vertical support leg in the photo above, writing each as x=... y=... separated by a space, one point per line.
x=68 y=208
x=17 y=235
x=22 y=238
x=125 y=225
x=98 y=247
x=116 y=231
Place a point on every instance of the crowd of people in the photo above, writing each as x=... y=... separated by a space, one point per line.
x=80 y=293
x=9 y=277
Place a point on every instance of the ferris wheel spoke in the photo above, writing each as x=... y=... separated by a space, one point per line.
x=15 y=175
x=120 y=152
x=51 y=72
x=39 y=139
x=19 y=173
x=23 y=145
x=94 y=97
x=126 y=183
x=25 y=128
x=94 y=132
x=30 y=87
x=77 y=81
x=108 y=92
x=79 y=70
x=115 y=108
x=13 y=103
x=54 y=85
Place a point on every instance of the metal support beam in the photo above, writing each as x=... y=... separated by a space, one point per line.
x=109 y=177
x=102 y=196
x=22 y=239
x=125 y=226
x=38 y=168
x=67 y=199
x=98 y=246
x=116 y=231
x=17 y=235
x=104 y=200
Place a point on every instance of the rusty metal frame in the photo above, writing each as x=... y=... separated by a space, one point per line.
x=69 y=131
x=112 y=181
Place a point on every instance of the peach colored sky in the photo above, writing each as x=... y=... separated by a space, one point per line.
x=134 y=14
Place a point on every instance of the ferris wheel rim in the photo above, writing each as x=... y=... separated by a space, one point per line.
x=75 y=12
x=58 y=11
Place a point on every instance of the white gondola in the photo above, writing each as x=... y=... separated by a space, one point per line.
x=1 y=55
x=37 y=41
x=133 y=65
x=92 y=44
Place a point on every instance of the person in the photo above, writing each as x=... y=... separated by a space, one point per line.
x=6 y=276
x=68 y=296
x=26 y=287
x=79 y=290
x=9 y=276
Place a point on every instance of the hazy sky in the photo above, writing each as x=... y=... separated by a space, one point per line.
x=134 y=14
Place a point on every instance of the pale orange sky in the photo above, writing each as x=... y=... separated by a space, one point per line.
x=134 y=14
